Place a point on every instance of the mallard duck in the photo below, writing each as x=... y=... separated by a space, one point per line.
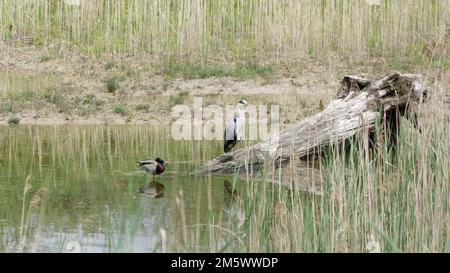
x=153 y=167
x=235 y=127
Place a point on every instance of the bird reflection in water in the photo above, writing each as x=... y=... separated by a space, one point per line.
x=234 y=204
x=154 y=190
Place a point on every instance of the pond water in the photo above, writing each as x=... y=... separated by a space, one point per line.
x=71 y=188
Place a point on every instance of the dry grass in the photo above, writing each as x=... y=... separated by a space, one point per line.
x=263 y=31
x=385 y=200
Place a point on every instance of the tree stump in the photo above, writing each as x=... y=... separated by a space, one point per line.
x=358 y=104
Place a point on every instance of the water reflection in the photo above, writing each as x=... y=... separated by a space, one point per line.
x=233 y=203
x=154 y=189
x=92 y=189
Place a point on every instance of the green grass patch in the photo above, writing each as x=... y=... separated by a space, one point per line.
x=112 y=84
x=194 y=71
x=14 y=120
x=6 y=107
x=178 y=99
x=44 y=58
x=92 y=100
x=446 y=64
x=110 y=65
x=120 y=109
x=142 y=107
x=400 y=64
x=52 y=96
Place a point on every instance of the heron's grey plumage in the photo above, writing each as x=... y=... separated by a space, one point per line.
x=234 y=131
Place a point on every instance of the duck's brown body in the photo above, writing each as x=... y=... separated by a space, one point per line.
x=159 y=168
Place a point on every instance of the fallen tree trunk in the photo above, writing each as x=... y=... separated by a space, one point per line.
x=359 y=103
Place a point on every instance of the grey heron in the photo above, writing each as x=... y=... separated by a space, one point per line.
x=234 y=131
x=153 y=167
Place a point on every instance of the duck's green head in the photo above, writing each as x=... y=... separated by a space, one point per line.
x=159 y=160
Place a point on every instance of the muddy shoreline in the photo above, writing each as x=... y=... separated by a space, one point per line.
x=144 y=95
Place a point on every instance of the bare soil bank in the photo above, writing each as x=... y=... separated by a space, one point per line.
x=145 y=94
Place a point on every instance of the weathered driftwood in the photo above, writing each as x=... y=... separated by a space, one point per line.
x=359 y=102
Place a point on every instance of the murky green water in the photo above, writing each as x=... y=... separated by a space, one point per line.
x=77 y=188
x=85 y=189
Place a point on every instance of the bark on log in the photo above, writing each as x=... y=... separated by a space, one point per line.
x=359 y=102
